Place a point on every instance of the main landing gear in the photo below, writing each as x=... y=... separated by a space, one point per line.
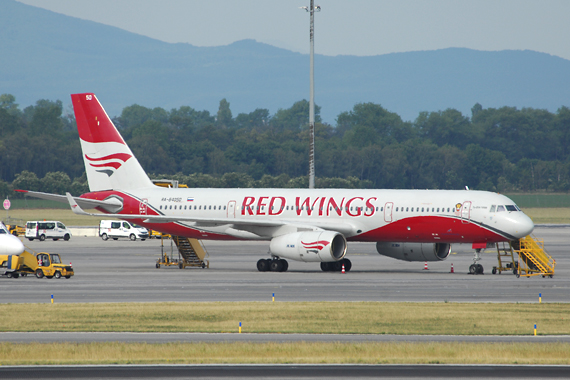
x=273 y=265
x=336 y=266
x=476 y=268
x=280 y=265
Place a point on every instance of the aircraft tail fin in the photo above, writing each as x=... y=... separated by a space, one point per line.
x=109 y=163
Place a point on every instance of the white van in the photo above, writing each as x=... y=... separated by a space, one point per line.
x=121 y=229
x=47 y=229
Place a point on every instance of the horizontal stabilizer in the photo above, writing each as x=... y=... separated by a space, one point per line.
x=111 y=204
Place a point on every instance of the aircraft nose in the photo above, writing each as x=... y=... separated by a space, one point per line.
x=522 y=225
x=12 y=246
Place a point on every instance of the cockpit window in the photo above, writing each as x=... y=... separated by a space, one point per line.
x=493 y=207
x=500 y=208
x=511 y=208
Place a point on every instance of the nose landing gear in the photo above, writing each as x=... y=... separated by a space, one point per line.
x=476 y=268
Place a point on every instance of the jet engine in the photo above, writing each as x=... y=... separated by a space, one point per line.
x=415 y=251
x=310 y=246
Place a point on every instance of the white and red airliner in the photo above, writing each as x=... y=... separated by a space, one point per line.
x=311 y=225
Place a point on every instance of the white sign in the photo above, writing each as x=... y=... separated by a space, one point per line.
x=7 y=204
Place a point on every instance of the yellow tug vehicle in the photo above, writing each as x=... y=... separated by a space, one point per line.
x=48 y=265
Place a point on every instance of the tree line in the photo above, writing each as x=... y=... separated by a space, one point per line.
x=497 y=149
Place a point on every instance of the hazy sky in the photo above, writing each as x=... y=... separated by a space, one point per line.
x=355 y=27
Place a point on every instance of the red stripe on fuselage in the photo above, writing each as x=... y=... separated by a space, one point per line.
x=423 y=229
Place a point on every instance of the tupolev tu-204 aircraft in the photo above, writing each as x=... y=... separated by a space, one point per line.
x=310 y=225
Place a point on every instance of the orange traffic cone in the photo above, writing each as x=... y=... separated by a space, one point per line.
x=425 y=266
x=343 y=269
x=452 y=271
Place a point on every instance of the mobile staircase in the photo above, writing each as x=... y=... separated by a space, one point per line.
x=191 y=253
x=506 y=258
x=532 y=260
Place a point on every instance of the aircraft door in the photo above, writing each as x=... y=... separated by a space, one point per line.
x=231 y=209
x=466 y=212
x=388 y=211
x=143 y=206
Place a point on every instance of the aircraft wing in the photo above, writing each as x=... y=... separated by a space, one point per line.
x=256 y=226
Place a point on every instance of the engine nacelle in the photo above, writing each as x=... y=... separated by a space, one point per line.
x=310 y=246
x=415 y=251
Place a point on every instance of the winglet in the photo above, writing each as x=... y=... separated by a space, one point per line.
x=74 y=206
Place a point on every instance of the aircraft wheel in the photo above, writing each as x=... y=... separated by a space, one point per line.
x=284 y=265
x=472 y=269
x=180 y=265
x=104 y=237
x=494 y=271
x=262 y=265
x=157 y=265
x=39 y=273
x=479 y=269
x=276 y=266
x=42 y=237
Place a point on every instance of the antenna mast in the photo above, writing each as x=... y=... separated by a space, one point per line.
x=312 y=9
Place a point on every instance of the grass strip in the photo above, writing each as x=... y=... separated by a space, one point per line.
x=292 y=317
x=548 y=215
x=284 y=353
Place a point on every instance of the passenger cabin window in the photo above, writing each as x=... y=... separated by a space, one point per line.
x=493 y=208
x=500 y=208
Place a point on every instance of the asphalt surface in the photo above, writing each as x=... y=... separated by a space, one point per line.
x=287 y=371
x=124 y=271
x=83 y=337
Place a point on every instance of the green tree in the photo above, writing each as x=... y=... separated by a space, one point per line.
x=46 y=118
x=26 y=181
x=224 y=117
x=55 y=183
x=294 y=118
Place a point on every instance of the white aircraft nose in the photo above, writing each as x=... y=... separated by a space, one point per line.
x=10 y=245
x=521 y=224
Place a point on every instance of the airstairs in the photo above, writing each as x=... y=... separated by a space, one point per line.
x=506 y=258
x=191 y=253
x=531 y=259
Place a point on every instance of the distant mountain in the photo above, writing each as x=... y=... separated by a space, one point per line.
x=45 y=55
